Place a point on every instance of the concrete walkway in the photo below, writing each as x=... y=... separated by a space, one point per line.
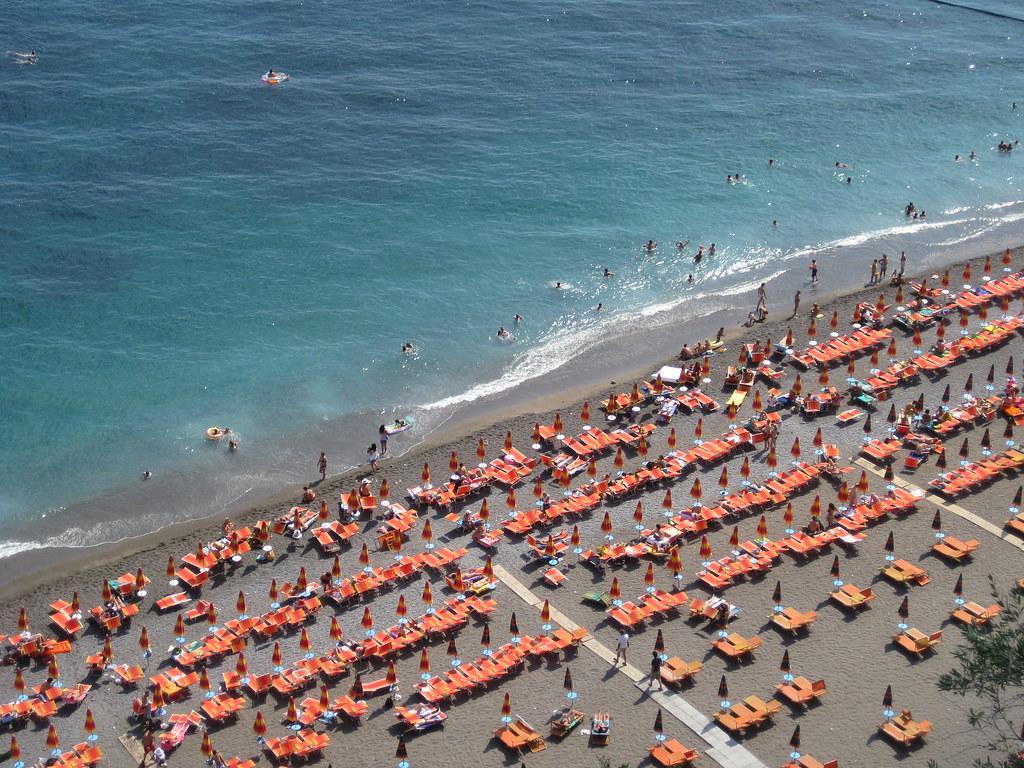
x=722 y=748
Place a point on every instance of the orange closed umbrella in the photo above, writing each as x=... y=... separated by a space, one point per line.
x=862 y=484
x=536 y=432
x=211 y=615
x=967 y=272
x=52 y=741
x=734 y=537
x=427 y=596
x=574 y=539
x=140 y=580
x=638 y=514
x=144 y=640
x=508 y=441
x=204 y=680
x=427 y=534
x=485 y=510
x=538 y=488
x=695 y=490
x=672 y=438
x=336 y=568
x=108 y=648
x=789 y=337
x=675 y=560
x=385 y=490
x=563 y=478
x=816 y=506
x=510 y=498
x=795 y=450
x=453 y=461
x=158 y=698
x=105 y=592
x=275 y=656
x=585 y=412
x=292 y=714
x=592 y=467
x=179 y=626
x=798 y=385
x=392 y=676
x=619 y=458
x=745 y=467
x=506 y=706
x=19 y=680
x=812 y=329
x=481 y=449
x=259 y=725
x=834 y=322
x=557 y=425
x=76 y=607
x=401 y=609
x=272 y=594
x=15 y=751
x=698 y=428
x=488 y=569
x=666 y=503
x=771 y=460
x=787 y=515
x=425 y=475
x=52 y=670
x=606 y=523
x=817 y=439
x=641 y=446
x=206 y=747
x=649 y=576
x=723 y=478
x=762 y=527
x=705 y=547
x=367 y=620
x=424 y=661
x=324 y=513
x=545 y=612
x=335 y=632
x=241 y=665
x=615 y=590
x=302 y=582
x=304 y=642
x=90 y=722
x=757 y=400
x=240 y=602
x=823 y=378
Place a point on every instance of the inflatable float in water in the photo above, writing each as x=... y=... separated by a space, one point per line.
x=215 y=433
x=275 y=78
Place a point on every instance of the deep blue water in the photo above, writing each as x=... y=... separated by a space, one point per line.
x=182 y=246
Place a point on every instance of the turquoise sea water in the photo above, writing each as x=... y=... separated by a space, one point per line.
x=182 y=246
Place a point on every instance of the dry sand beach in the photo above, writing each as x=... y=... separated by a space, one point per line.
x=852 y=653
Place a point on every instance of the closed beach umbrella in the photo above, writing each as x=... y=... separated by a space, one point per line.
x=887 y=697
x=698 y=428
x=325 y=699
x=453 y=461
x=964 y=320
x=745 y=467
x=424 y=661
x=867 y=425
x=567 y=680
x=427 y=595
x=272 y=593
x=52 y=670
x=108 y=648
x=789 y=337
x=723 y=478
x=606 y=523
x=964 y=449
x=356 y=691
x=15 y=751
x=812 y=329
x=105 y=592
x=659 y=642
x=510 y=498
x=723 y=688
x=336 y=568
x=275 y=656
x=734 y=537
x=666 y=502
x=306 y=645
x=945 y=394
x=890 y=543
x=757 y=400
x=843 y=493
x=784 y=665
x=771 y=459
x=672 y=438
x=204 y=680
x=506 y=705
x=545 y=612
x=259 y=725
x=795 y=450
x=695 y=490
x=557 y=424
x=641 y=446
x=649 y=575
x=762 y=527
x=211 y=615
x=367 y=620
x=675 y=561
x=659 y=727
x=880 y=304
x=1017 y=496
x=823 y=377
x=634 y=394
x=508 y=441
x=585 y=412
x=481 y=449
x=862 y=483
x=385 y=490
x=904 y=609
x=513 y=625
x=206 y=747
x=392 y=676
x=958 y=588
x=787 y=515
x=452 y=650
x=834 y=322
x=488 y=569
x=538 y=488
x=574 y=538
x=302 y=582
x=798 y=385
x=425 y=474
x=615 y=591
x=917 y=337
x=158 y=698
x=986 y=440
x=179 y=626
x=817 y=441
x=851 y=365
x=874 y=357
x=144 y=640
x=19 y=680
x=52 y=742
x=324 y=514
x=892 y=347
x=240 y=602
x=401 y=753
x=937 y=521
x=794 y=740
x=1006 y=262
x=75 y=605
x=940 y=331
x=834 y=570
x=967 y=272
x=1009 y=366
x=619 y=457
x=292 y=714
x=459 y=585
x=705 y=548
x=241 y=665
x=777 y=593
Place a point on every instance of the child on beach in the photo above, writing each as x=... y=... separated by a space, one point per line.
x=371 y=456
x=382 y=436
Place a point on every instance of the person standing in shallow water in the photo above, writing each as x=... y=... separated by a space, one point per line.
x=322 y=465
x=382 y=436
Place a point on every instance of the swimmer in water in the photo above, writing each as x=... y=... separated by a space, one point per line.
x=771 y=163
x=699 y=255
x=681 y=244
x=842 y=165
x=651 y=245
x=600 y=307
x=502 y=333
x=407 y=347
x=711 y=250
x=146 y=475
x=608 y=272
x=558 y=284
x=24 y=58
x=517 y=318
x=974 y=155
x=689 y=279
x=775 y=222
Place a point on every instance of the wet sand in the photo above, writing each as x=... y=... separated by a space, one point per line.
x=854 y=655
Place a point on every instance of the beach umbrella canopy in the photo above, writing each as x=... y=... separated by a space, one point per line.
x=392 y=675
x=817 y=441
x=510 y=498
x=734 y=537
x=794 y=740
x=787 y=514
x=19 y=680
x=506 y=705
x=275 y=657
x=513 y=625
x=890 y=543
x=904 y=609
x=638 y=513
x=424 y=660
x=834 y=571
x=945 y=279
x=880 y=304
x=649 y=575
x=574 y=538
x=940 y=460
x=641 y=446
x=323 y=510
x=892 y=347
x=105 y=592
x=606 y=523
x=823 y=377
x=967 y=272
x=789 y=337
x=240 y=602
x=460 y=586
x=452 y=650
x=958 y=588
x=695 y=490
x=52 y=670
x=659 y=727
x=757 y=400
x=784 y=665
x=887 y=697
x=336 y=568
x=481 y=449
x=367 y=620
x=556 y=425
x=705 y=547
x=273 y=591
x=508 y=441
x=917 y=337
x=812 y=329
x=241 y=665
x=659 y=642
x=940 y=331
x=986 y=440
x=937 y=521
x=567 y=680
x=545 y=612
x=179 y=626
x=427 y=533
x=204 y=680
x=488 y=569
x=401 y=752
x=672 y=438
x=675 y=561
x=15 y=751
x=292 y=714
x=798 y=385
x=619 y=457
x=158 y=698
x=108 y=648
x=723 y=688
x=325 y=699
x=698 y=428
x=851 y=365
x=401 y=609
x=834 y=322
x=666 y=502
x=777 y=593
x=259 y=725
x=302 y=582
x=585 y=412
x=356 y=691
x=211 y=614
x=75 y=605
x=964 y=449
x=306 y=645
x=385 y=490
x=538 y=488
x=144 y=640
x=52 y=742
x=1018 y=495
x=427 y=595
x=874 y=357
x=795 y=450
x=862 y=483
x=723 y=477
x=772 y=460
x=425 y=474
x=867 y=424
x=745 y=467
x=1006 y=257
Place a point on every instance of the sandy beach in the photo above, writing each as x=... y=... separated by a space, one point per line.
x=852 y=653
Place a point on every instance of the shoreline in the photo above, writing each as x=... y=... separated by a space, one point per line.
x=27 y=571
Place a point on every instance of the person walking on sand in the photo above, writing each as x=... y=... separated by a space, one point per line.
x=655 y=670
x=874 y=272
x=814 y=271
x=382 y=435
x=321 y=465
x=372 y=456
x=621 y=644
x=796 y=305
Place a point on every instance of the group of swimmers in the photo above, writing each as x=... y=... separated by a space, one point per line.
x=19 y=57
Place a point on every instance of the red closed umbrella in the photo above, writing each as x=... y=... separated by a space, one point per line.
x=427 y=596
x=206 y=747
x=508 y=441
x=585 y=412
x=259 y=725
x=638 y=513
x=481 y=449
x=695 y=490
x=705 y=548
x=52 y=742
x=666 y=503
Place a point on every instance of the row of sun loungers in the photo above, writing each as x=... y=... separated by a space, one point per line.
x=975 y=475
x=836 y=350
